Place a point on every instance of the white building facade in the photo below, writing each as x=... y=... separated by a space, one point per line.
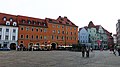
x=8 y=32
x=8 y=36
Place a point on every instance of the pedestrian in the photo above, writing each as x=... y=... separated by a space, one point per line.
x=114 y=50
x=118 y=49
x=87 y=52
x=83 y=50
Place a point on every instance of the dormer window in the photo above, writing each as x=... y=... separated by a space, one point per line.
x=38 y=23
x=4 y=18
x=11 y=19
x=29 y=22
x=14 y=24
x=34 y=22
x=44 y=24
x=23 y=21
x=7 y=22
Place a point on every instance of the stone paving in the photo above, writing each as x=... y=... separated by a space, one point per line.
x=57 y=59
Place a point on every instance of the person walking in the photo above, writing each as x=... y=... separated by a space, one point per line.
x=83 y=50
x=118 y=49
x=87 y=52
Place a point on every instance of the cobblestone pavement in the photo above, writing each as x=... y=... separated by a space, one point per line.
x=57 y=59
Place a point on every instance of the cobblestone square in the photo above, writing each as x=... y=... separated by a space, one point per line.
x=57 y=59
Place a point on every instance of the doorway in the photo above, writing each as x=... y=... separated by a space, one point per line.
x=13 y=46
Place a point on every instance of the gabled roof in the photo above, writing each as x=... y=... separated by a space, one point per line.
x=90 y=25
x=65 y=20
x=86 y=27
x=97 y=27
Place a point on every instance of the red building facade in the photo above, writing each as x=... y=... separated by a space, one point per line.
x=46 y=32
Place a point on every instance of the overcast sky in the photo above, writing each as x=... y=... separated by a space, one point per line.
x=80 y=12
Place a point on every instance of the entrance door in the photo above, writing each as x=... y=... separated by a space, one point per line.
x=13 y=46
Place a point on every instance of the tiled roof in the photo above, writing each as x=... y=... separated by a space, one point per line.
x=24 y=20
x=65 y=20
x=7 y=18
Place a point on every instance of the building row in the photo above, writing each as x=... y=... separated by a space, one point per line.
x=95 y=36
x=24 y=31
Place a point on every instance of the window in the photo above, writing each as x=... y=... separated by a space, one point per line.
x=44 y=24
x=39 y=23
x=71 y=33
x=74 y=28
x=58 y=26
x=75 y=33
x=62 y=32
x=0 y=37
x=13 y=37
x=40 y=29
x=32 y=37
x=6 y=37
x=32 y=29
x=0 y=29
x=62 y=37
x=27 y=36
x=7 y=30
x=70 y=28
x=58 y=31
x=22 y=28
x=40 y=37
x=14 y=30
x=11 y=19
x=62 y=26
x=71 y=38
x=4 y=18
x=67 y=38
x=29 y=22
x=37 y=37
x=54 y=31
x=7 y=23
x=37 y=29
x=45 y=37
x=21 y=36
x=34 y=22
x=45 y=30
x=14 y=24
x=23 y=21
x=57 y=37
x=21 y=41
x=27 y=28
x=66 y=32
x=52 y=37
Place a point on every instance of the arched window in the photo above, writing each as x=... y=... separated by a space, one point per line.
x=7 y=22
x=14 y=24
x=11 y=19
x=4 y=18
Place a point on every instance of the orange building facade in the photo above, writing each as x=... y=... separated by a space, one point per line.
x=46 y=32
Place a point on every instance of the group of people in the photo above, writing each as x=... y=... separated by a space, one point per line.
x=85 y=51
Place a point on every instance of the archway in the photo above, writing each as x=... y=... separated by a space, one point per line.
x=13 y=46
x=54 y=45
x=30 y=46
